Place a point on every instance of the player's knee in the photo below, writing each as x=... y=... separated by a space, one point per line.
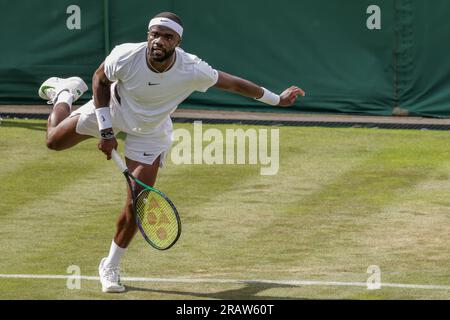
x=52 y=144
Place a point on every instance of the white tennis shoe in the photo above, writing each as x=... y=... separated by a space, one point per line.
x=52 y=87
x=110 y=277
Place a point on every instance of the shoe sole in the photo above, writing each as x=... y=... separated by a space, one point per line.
x=80 y=83
x=45 y=86
x=112 y=290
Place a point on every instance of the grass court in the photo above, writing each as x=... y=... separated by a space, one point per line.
x=343 y=199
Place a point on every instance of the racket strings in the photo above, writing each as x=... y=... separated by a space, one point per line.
x=157 y=218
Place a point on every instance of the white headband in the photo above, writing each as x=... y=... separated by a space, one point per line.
x=165 y=22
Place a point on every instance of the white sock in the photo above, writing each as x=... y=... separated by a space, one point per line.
x=115 y=253
x=64 y=97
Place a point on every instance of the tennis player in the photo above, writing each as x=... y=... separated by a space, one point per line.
x=136 y=89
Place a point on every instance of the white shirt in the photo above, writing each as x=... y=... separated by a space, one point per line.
x=148 y=98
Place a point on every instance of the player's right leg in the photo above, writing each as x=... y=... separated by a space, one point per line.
x=127 y=228
x=144 y=156
x=61 y=129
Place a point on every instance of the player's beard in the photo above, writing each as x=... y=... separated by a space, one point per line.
x=167 y=55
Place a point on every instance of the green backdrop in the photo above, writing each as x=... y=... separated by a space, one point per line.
x=323 y=46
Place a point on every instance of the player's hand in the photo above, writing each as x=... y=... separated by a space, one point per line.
x=107 y=146
x=289 y=96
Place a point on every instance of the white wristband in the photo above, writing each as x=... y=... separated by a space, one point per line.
x=103 y=118
x=269 y=98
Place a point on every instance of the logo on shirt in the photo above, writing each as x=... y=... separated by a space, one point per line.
x=153 y=84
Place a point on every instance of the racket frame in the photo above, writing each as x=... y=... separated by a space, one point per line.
x=128 y=176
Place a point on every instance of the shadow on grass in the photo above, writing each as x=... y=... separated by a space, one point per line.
x=248 y=292
x=29 y=124
x=38 y=125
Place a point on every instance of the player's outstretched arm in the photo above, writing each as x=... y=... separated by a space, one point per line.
x=101 y=89
x=247 y=88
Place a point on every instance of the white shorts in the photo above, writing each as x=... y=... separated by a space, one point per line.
x=140 y=148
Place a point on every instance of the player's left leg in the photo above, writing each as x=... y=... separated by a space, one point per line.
x=61 y=129
x=109 y=270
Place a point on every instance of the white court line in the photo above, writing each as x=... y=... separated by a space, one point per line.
x=229 y=281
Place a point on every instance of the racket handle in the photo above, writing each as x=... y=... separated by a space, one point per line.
x=119 y=162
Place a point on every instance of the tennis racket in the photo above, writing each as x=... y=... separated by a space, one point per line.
x=156 y=216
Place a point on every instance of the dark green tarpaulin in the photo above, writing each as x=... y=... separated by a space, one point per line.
x=323 y=46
